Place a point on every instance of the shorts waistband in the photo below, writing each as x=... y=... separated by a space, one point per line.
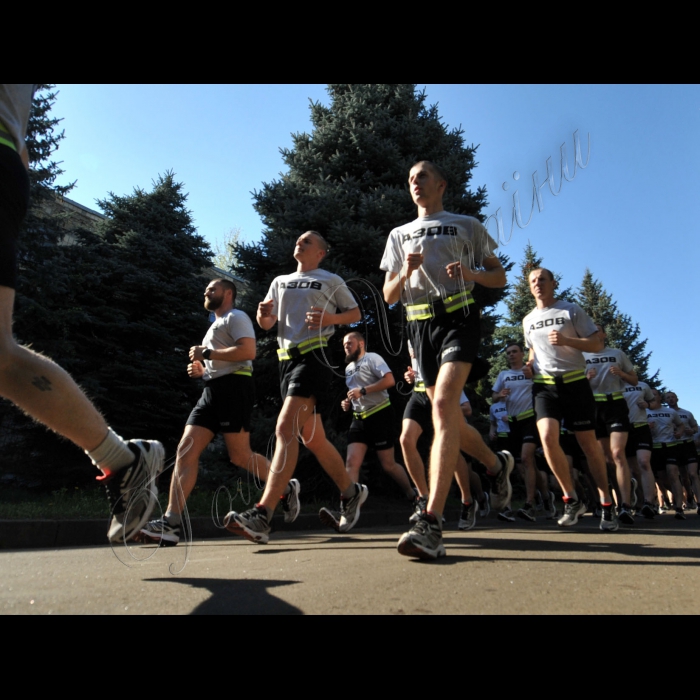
x=419 y=387
x=448 y=305
x=659 y=445
x=641 y=425
x=502 y=435
x=566 y=378
x=522 y=416
x=615 y=396
x=371 y=411
x=302 y=348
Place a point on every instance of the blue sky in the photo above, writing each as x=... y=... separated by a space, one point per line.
x=631 y=215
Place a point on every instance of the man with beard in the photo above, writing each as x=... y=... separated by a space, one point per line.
x=306 y=305
x=34 y=382
x=224 y=361
x=369 y=378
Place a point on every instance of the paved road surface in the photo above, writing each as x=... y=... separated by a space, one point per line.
x=498 y=568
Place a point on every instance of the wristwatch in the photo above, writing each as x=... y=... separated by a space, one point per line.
x=206 y=353
x=363 y=391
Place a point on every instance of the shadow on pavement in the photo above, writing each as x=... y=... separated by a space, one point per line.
x=237 y=597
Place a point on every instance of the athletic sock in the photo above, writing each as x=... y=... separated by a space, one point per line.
x=112 y=454
x=173 y=518
x=349 y=492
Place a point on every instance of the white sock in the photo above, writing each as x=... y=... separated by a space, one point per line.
x=112 y=453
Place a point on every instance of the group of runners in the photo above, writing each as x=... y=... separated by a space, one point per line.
x=571 y=390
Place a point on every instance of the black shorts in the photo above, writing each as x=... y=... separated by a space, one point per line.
x=377 y=431
x=572 y=402
x=420 y=410
x=687 y=453
x=639 y=439
x=663 y=454
x=453 y=337
x=226 y=404
x=307 y=376
x=14 y=199
x=611 y=416
x=503 y=442
x=521 y=432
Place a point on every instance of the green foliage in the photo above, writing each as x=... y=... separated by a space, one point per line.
x=118 y=311
x=348 y=179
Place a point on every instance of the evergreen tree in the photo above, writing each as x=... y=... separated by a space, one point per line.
x=348 y=179
x=622 y=332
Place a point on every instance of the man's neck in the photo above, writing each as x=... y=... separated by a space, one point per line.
x=222 y=311
x=519 y=366
x=429 y=209
x=545 y=303
x=306 y=266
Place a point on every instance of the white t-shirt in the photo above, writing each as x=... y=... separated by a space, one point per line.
x=499 y=413
x=442 y=238
x=663 y=422
x=634 y=394
x=369 y=369
x=295 y=294
x=520 y=397
x=604 y=382
x=567 y=318
x=222 y=334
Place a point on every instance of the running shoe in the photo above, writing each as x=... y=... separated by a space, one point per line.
x=467 y=518
x=330 y=518
x=423 y=540
x=507 y=515
x=573 y=510
x=161 y=532
x=421 y=503
x=253 y=524
x=551 y=512
x=609 y=521
x=502 y=490
x=527 y=512
x=290 y=502
x=680 y=515
x=485 y=505
x=625 y=515
x=648 y=510
x=132 y=491
x=350 y=508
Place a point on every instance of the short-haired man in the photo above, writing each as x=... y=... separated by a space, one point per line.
x=514 y=387
x=431 y=265
x=417 y=421
x=639 y=443
x=558 y=333
x=306 y=306
x=369 y=379
x=38 y=385
x=607 y=371
x=224 y=361
x=687 y=453
x=666 y=429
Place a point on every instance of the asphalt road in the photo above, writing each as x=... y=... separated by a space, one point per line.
x=498 y=568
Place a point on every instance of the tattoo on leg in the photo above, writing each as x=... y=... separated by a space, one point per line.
x=42 y=383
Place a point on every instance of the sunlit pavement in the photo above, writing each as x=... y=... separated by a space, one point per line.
x=518 y=568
